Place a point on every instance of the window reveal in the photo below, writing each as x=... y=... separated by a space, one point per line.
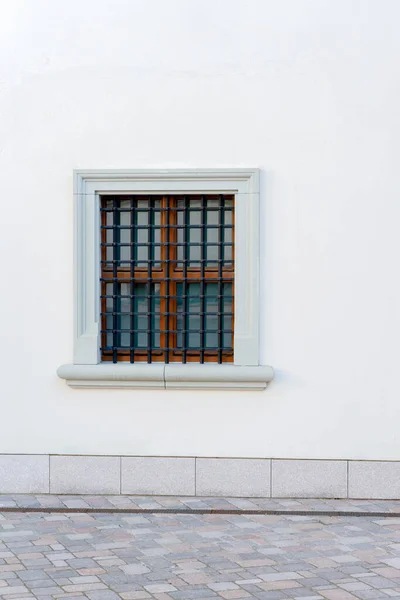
x=167 y=278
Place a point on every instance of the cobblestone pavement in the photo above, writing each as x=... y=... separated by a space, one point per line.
x=188 y=556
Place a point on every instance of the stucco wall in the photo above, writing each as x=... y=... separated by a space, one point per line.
x=306 y=90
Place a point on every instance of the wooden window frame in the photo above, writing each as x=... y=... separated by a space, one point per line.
x=168 y=275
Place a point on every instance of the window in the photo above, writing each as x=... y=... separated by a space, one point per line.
x=167 y=280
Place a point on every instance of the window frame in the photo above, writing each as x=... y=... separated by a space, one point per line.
x=168 y=273
x=88 y=186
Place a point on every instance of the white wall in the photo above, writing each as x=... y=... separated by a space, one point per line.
x=306 y=90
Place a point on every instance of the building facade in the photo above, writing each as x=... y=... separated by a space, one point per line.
x=291 y=109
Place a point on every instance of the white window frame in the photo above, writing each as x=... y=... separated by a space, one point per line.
x=87 y=369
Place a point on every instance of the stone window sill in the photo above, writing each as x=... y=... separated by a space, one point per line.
x=171 y=376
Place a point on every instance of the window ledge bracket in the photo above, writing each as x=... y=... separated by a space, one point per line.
x=171 y=376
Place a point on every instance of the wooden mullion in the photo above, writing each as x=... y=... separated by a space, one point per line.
x=139 y=274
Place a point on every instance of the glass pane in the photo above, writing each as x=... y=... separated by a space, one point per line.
x=125 y=254
x=227 y=322
x=142 y=236
x=142 y=217
x=142 y=256
x=109 y=326
x=193 y=341
x=142 y=251
x=211 y=304
x=125 y=340
x=195 y=203
x=192 y=319
x=228 y=217
x=125 y=236
x=211 y=340
x=193 y=322
x=125 y=307
x=227 y=290
x=157 y=249
x=213 y=215
x=194 y=217
x=125 y=289
x=124 y=218
x=212 y=235
x=228 y=256
x=108 y=292
x=193 y=304
x=180 y=249
x=194 y=236
x=227 y=341
x=194 y=256
x=139 y=289
x=140 y=340
x=140 y=321
x=212 y=255
x=212 y=203
x=211 y=322
x=193 y=289
x=125 y=215
x=211 y=289
x=109 y=218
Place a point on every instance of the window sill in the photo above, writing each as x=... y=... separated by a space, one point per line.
x=171 y=376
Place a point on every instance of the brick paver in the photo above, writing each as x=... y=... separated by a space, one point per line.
x=101 y=556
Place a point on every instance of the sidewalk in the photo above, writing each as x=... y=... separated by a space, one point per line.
x=178 y=556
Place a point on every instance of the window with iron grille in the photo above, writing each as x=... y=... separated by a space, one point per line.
x=167 y=278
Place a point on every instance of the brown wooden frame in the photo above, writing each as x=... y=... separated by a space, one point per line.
x=168 y=275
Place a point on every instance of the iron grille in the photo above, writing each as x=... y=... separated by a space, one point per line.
x=167 y=278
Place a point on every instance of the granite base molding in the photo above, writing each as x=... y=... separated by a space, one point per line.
x=195 y=476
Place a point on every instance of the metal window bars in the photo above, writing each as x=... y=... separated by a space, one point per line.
x=167 y=278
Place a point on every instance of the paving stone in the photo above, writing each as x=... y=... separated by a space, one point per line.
x=135 y=595
x=233 y=594
x=225 y=585
x=279 y=576
x=84 y=587
x=337 y=594
x=184 y=557
x=103 y=595
x=159 y=587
